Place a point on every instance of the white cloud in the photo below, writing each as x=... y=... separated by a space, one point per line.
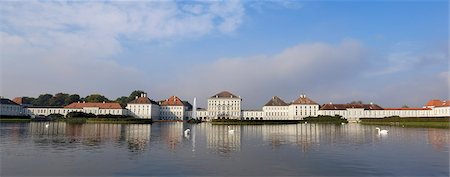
x=302 y=68
x=59 y=46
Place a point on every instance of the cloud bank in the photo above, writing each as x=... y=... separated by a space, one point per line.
x=69 y=46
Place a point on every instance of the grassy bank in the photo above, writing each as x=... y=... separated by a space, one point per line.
x=253 y=122
x=326 y=119
x=12 y=120
x=15 y=119
x=409 y=122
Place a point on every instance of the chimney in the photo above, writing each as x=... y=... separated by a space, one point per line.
x=371 y=103
x=145 y=94
x=84 y=101
x=331 y=102
x=103 y=102
x=78 y=101
x=137 y=97
x=142 y=95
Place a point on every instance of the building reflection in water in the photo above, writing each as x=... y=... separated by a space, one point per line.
x=224 y=139
x=439 y=139
x=171 y=133
x=302 y=135
x=137 y=136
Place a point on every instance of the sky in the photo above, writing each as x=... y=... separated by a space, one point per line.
x=391 y=53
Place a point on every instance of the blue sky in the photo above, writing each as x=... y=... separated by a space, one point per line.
x=391 y=53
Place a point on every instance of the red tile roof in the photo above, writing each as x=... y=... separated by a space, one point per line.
x=434 y=103
x=18 y=100
x=347 y=106
x=77 y=105
x=172 y=101
x=407 y=108
x=303 y=100
x=437 y=103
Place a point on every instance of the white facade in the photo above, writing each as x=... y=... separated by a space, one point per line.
x=354 y=114
x=276 y=113
x=224 y=105
x=144 y=108
x=174 y=108
x=172 y=112
x=252 y=115
x=45 y=111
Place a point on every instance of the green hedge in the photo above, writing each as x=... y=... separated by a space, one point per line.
x=326 y=119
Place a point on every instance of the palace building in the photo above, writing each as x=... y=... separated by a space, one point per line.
x=143 y=107
x=226 y=105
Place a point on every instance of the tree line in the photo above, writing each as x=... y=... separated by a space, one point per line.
x=64 y=99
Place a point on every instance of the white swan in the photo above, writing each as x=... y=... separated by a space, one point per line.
x=187 y=132
x=382 y=132
x=230 y=131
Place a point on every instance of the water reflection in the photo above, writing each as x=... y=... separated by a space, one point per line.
x=137 y=136
x=224 y=139
x=247 y=150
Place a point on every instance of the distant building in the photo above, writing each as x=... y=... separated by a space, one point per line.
x=276 y=109
x=352 y=112
x=303 y=107
x=252 y=115
x=97 y=108
x=10 y=108
x=174 y=108
x=143 y=107
x=224 y=105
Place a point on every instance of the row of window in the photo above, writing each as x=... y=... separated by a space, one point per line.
x=276 y=113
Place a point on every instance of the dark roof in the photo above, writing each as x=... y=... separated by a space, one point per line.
x=45 y=107
x=276 y=101
x=346 y=106
x=407 y=108
x=224 y=94
x=188 y=105
x=7 y=101
x=303 y=99
x=142 y=100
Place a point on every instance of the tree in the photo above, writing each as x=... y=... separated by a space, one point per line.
x=28 y=100
x=96 y=98
x=72 y=98
x=59 y=99
x=43 y=100
x=356 y=102
x=123 y=101
x=134 y=94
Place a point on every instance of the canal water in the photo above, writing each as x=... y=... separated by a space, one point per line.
x=162 y=149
